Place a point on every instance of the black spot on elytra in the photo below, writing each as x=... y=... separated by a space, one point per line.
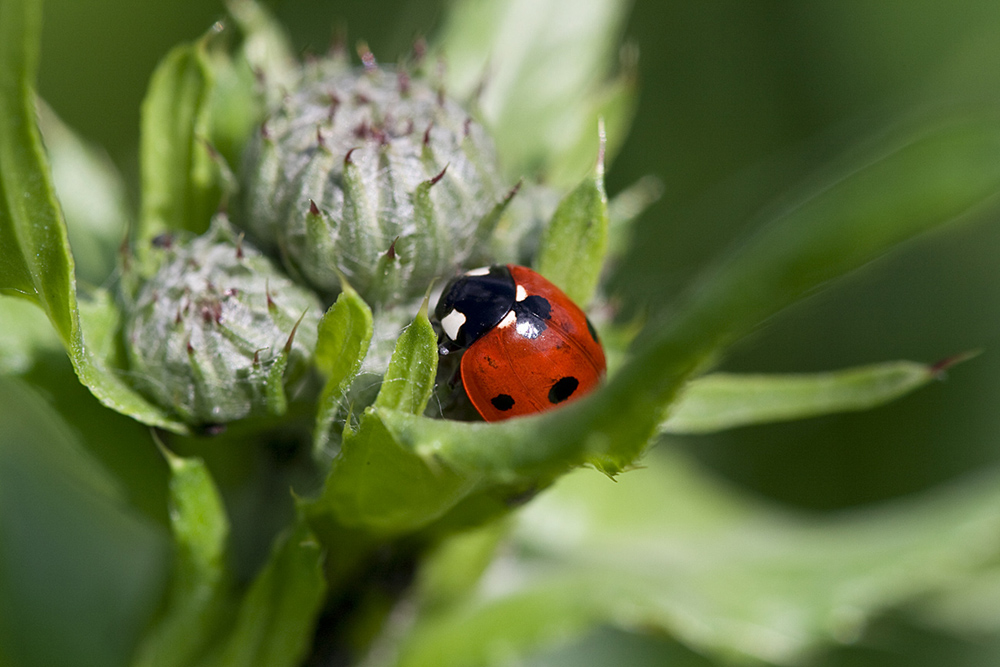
x=593 y=332
x=502 y=402
x=563 y=389
x=537 y=305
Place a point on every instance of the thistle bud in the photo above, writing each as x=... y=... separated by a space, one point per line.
x=372 y=174
x=217 y=333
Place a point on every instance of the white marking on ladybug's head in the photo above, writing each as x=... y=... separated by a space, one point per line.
x=508 y=320
x=481 y=271
x=521 y=293
x=451 y=323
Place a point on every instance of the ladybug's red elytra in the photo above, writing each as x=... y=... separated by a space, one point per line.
x=527 y=346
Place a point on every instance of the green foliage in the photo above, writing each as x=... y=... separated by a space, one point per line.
x=276 y=616
x=80 y=571
x=726 y=400
x=409 y=379
x=200 y=584
x=840 y=228
x=180 y=181
x=345 y=333
x=573 y=248
x=379 y=488
x=36 y=263
x=26 y=335
x=669 y=548
x=265 y=46
x=92 y=196
x=375 y=483
x=499 y=46
x=197 y=116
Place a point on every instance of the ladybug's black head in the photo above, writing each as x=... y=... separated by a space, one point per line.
x=472 y=304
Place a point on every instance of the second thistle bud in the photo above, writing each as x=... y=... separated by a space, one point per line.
x=374 y=175
x=217 y=333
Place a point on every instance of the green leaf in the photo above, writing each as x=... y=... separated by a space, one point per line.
x=454 y=567
x=80 y=572
x=929 y=177
x=199 y=520
x=533 y=59
x=199 y=597
x=910 y=183
x=203 y=102
x=376 y=484
x=180 y=180
x=381 y=486
x=409 y=379
x=668 y=548
x=967 y=608
x=710 y=403
x=123 y=446
x=266 y=48
x=35 y=259
x=278 y=614
x=506 y=452
x=722 y=400
x=232 y=112
x=573 y=245
x=92 y=195
x=25 y=335
x=613 y=105
x=345 y=332
x=101 y=362
x=238 y=100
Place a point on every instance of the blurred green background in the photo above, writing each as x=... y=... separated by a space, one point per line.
x=739 y=102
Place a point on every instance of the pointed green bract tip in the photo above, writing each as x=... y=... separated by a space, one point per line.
x=576 y=240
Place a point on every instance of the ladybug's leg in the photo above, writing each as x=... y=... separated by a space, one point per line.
x=456 y=377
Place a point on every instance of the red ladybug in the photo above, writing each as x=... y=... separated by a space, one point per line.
x=527 y=347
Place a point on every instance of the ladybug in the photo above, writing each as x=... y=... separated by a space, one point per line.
x=527 y=346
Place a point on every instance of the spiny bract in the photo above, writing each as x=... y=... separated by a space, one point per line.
x=375 y=175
